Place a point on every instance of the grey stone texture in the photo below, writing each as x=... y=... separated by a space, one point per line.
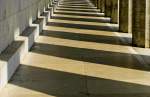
x=18 y=33
x=15 y=16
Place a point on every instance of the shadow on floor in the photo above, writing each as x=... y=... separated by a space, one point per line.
x=81 y=19
x=89 y=55
x=77 y=10
x=83 y=26
x=88 y=37
x=79 y=14
x=66 y=84
x=75 y=7
x=75 y=4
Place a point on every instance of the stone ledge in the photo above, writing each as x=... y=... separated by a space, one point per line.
x=9 y=61
x=11 y=57
x=30 y=33
x=40 y=23
x=45 y=15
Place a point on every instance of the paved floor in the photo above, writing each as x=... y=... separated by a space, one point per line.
x=80 y=54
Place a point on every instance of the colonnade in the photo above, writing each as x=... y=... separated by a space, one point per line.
x=132 y=17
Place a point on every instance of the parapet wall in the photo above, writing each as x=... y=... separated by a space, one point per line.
x=21 y=22
x=15 y=16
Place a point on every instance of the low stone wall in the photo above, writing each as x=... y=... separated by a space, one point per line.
x=21 y=22
x=15 y=16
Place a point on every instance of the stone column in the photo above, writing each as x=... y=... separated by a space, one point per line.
x=98 y=4
x=130 y=17
x=140 y=23
x=123 y=15
x=147 y=32
x=102 y=6
x=114 y=13
x=108 y=8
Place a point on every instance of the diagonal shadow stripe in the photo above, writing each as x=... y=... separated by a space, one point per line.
x=80 y=14
x=74 y=2
x=116 y=59
x=76 y=7
x=77 y=10
x=76 y=85
x=88 y=27
x=87 y=37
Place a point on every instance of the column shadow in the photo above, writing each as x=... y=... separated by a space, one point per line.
x=77 y=7
x=65 y=84
x=80 y=14
x=117 y=59
x=83 y=26
x=77 y=10
x=88 y=37
x=82 y=19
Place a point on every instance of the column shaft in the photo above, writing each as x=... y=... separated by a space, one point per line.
x=98 y=4
x=108 y=8
x=114 y=13
x=102 y=6
x=130 y=17
x=123 y=15
x=139 y=22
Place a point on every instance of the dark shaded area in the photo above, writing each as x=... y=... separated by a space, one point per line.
x=11 y=50
x=87 y=37
x=80 y=2
x=28 y=31
x=80 y=14
x=77 y=7
x=77 y=10
x=89 y=55
x=82 y=19
x=75 y=4
x=82 y=26
x=38 y=21
x=64 y=84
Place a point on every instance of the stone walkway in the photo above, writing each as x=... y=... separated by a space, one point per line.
x=80 y=54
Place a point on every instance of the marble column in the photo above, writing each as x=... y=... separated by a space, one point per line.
x=102 y=6
x=130 y=17
x=98 y=4
x=114 y=11
x=140 y=23
x=108 y=8
x=147 y=31
x=123 y=15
